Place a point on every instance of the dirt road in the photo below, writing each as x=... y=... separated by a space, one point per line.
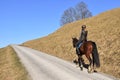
x=42 y=66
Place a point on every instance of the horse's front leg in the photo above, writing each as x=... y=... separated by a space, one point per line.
x=80 y=62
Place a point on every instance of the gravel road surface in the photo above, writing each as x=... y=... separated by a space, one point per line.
x=41 y=66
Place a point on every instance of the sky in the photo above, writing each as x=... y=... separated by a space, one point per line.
x=24 y=20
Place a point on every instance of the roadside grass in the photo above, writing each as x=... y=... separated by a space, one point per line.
x=10 y=66
x=104 y=29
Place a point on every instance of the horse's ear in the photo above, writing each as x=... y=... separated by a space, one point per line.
x=72 y=38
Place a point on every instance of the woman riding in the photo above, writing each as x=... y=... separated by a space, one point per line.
x=83 y=36
x=87 y=48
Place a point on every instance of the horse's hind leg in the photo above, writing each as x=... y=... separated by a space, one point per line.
x=90 y=61
x=89 y=67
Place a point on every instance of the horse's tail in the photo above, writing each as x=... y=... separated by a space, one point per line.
x=95 y=55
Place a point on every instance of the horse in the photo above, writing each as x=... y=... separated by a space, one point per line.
x=87 y=48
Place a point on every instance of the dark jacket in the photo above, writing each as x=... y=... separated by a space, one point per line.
x=83 y=36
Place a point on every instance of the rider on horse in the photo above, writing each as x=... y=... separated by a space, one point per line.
x=83 y=36
x=87 y=48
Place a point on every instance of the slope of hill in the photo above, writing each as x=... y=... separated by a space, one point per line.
x=104 y=29
x=10 y=66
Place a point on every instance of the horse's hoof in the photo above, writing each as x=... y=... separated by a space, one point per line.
x=77 y=66
x=95 y=71
x=81 y=68
x=89 y=70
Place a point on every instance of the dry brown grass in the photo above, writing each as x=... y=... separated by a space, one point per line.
x=104 y=29
x=10 y=66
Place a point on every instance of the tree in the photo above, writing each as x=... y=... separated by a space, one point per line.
x=82 y=10
x=73 y=14
x=68 y=16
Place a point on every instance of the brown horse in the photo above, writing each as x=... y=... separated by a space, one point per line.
x=86 y=49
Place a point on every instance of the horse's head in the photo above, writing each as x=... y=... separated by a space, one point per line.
x=74 y=41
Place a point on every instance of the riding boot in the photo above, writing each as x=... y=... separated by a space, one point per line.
x=78 y=51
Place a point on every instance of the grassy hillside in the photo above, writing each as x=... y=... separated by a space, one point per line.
x=104 y=29
x=10 y=66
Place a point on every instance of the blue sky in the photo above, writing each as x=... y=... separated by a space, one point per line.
x=24 y=20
